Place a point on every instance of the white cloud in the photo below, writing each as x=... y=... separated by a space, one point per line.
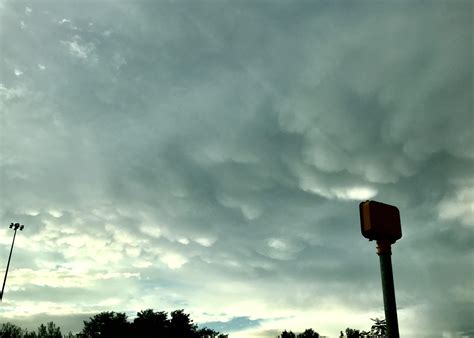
x=280 y=248
x=173 y=260
x=153 y=231
x=355 y=193
x=183 y=241
x=458 y=206
x=317 y=184
x=55 y=213
x=80 y=49
x=61 y=277
x=207 y=242
x=7 y=94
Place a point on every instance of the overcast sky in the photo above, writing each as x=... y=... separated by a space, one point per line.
x=211 y=155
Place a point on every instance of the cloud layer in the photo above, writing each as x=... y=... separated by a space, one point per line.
x=211 y=156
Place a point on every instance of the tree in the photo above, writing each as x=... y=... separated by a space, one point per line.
x=31 y=334
x=309 y=333
x=286 y=334
x=107 y=325
x=9 y=330
x=351 y=333
x=181 y=326
x=206 y=332
x=49 y=331
x=379 y=329
x=151 y=324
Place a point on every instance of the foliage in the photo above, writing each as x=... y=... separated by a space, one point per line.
x=31 y=334
x=9 y=330
x=351 y=333
x=287 y=334
x=151 y=324
x=107 y=325
x=378 y=329
x=308 y=333
x=181 y=326
x=49 y=331
x=147 y=324
x=210 y=333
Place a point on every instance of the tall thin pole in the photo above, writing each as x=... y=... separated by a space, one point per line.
x=15 y=227
x=384 y=251
x=8 y=265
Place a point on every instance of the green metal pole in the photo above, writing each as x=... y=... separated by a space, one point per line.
x=384 y=251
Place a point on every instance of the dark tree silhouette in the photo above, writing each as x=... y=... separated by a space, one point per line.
x=107 y=325
x=379 y=328
x=287 y=334
x=210 y=333
x=147 y=324
x=181 y=326
x=351 y=333
x=31 y=334
x=9 y=330
x=49 y=331
x=308 y=333
x=151 y=324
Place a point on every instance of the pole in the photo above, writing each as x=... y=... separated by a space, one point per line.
x=384 y=251
x=8 y=265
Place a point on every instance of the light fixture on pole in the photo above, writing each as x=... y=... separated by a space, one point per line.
x=15 y=227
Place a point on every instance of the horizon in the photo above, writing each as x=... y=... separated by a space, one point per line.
x=211 y=155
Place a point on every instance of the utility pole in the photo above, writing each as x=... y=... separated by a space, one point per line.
x=14 y=226
x=381 y=222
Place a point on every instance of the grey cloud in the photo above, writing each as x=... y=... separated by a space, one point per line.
x=252 y=128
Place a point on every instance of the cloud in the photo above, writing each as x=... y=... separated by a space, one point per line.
x=460 y=206
x=79 y=49
x=211 y=157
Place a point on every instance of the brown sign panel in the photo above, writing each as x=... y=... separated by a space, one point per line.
x=380 y=221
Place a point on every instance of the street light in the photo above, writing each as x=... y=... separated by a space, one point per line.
x=381 y=222
x=14 y=226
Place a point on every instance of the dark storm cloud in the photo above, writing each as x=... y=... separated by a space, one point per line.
x=214 y=153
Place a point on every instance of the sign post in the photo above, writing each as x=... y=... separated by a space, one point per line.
x=381 y=222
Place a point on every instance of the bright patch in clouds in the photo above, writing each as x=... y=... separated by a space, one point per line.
x=173 y=260
x=79 y=49
x=207 y=242
x=358 y=193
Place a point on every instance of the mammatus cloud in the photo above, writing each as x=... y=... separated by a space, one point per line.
x=211 y=157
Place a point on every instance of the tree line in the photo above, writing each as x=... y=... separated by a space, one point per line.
x=110 y=324
x=378 y=330
x=152 y=324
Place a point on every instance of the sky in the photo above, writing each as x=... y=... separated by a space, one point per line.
x=211 y=155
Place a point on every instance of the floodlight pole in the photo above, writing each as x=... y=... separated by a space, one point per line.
x=15 y=227
x=384 y=250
